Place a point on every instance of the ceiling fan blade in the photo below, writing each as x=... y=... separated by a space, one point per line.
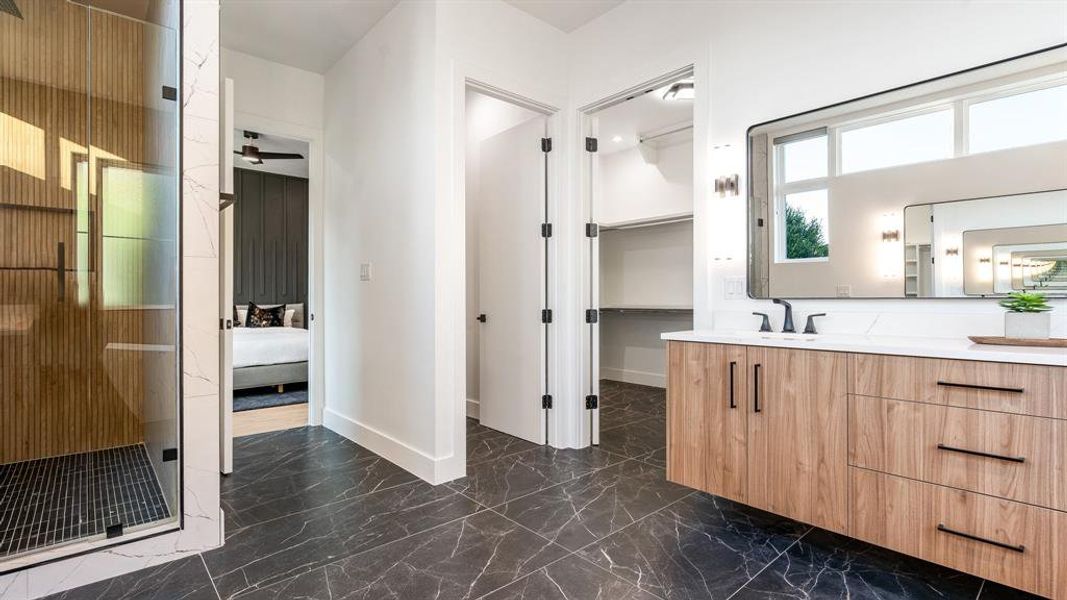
x=279 y=155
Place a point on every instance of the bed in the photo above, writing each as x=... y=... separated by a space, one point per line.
x=271 y=356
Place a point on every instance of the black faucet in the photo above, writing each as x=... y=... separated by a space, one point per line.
x=787 y=327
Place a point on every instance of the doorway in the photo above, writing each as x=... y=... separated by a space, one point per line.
x=266 y=282
x=640 y=175
x=507 y=249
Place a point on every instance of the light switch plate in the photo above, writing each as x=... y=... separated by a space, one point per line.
x=365 y=272
x=733 y=288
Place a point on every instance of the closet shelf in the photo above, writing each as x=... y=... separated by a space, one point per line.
x=647 y=222
x=679 y=310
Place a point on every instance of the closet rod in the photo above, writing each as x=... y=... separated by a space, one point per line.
x=671 y=132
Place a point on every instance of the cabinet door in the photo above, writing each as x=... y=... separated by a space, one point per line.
x=706 y=416
x=797 y=436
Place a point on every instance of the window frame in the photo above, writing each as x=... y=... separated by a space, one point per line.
x=782 y=189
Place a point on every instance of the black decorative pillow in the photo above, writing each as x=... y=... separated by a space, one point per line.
x=265 y=317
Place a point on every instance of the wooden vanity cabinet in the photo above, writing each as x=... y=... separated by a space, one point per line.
x=707 y=418
x=763 y=426
x=797 y=438
x=962 y=463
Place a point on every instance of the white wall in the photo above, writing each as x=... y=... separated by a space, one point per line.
x=268 y=89
x=632 y=188
x=759 y=61
x=379 y=111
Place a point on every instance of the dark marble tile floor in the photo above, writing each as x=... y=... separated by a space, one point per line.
x=312 y=516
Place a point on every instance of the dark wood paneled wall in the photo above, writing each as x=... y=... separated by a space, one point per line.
x=270 y=263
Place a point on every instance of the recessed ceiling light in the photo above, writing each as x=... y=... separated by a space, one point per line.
x=616 y=139
x=683 y=90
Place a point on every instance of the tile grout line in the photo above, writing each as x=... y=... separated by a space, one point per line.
x=770 y=562
x=209 y=577
x=981 y=589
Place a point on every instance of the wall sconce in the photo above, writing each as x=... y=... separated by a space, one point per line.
x=891 y=236
x=727 y=185
x=952 y=251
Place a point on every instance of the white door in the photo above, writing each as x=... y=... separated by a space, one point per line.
x=226 y=287
x=511 y=201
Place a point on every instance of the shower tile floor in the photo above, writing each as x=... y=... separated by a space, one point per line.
x=55 y=500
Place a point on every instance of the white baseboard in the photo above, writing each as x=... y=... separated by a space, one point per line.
x=631 y=376
x=473 y=408
x=427 y=468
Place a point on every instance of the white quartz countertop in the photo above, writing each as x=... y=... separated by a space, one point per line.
x=956 y=348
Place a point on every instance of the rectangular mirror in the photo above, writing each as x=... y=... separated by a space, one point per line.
x=950 y=188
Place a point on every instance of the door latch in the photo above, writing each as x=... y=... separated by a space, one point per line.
x=482 y=318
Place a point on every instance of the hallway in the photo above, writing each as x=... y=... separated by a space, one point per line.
x=312 y=515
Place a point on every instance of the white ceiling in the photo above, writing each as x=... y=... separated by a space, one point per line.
x=314 y=34
x=308 y=34
x=297 y=167
x=646 y=113
x=565 y=15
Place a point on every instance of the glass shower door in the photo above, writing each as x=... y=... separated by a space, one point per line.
x=89 y=210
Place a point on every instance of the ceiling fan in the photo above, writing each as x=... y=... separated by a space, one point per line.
x=250 y=153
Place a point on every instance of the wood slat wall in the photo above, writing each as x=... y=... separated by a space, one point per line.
x=61 y=391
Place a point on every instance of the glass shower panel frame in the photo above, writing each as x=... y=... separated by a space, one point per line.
x=90 y=278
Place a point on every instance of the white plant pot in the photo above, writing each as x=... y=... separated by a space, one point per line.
x=1029 y=326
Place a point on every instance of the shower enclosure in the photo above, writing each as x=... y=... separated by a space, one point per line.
x=89 y=272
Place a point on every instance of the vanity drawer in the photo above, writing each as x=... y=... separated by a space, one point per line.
x=1008 y=542
x=1012 y=388
x=1012 y=456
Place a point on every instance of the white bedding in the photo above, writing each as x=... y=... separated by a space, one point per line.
x=269 y=346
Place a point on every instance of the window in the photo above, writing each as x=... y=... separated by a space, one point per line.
x=802 y=197
x=807 y=225
x=1023 y=119
x=902 y=141
x=804 y=159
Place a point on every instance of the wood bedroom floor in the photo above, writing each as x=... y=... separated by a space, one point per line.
x=311 y=515
x=265 y=420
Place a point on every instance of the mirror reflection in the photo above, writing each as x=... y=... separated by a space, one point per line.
x=951 y=188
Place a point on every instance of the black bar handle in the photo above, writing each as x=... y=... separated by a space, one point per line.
x=755 y=388
x=1018 y=459
x=733 y=401
x=974 y=386
x=1020 y=548
x=61 y=269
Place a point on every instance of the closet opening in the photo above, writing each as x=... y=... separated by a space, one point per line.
x=508 y=249
x=265 y=240
x=639 y=148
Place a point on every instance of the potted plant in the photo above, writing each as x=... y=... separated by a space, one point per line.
x=1027 y=317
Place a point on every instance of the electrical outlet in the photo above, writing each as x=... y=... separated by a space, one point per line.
x=844 y=291
x=364 y=272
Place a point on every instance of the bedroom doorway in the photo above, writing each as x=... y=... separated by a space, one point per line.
x=267 y=276
x=508 y=319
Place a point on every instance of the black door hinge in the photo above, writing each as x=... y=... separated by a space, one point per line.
x=170 y=454
x=482 y=318
x=546 y=315
x=592 y=230
x=546 y=401
x=546 y=144
x=170 y=93
x=592 y=315
x=759 y=222
x=546 y=230
x=591 y=401
x=591 y=144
